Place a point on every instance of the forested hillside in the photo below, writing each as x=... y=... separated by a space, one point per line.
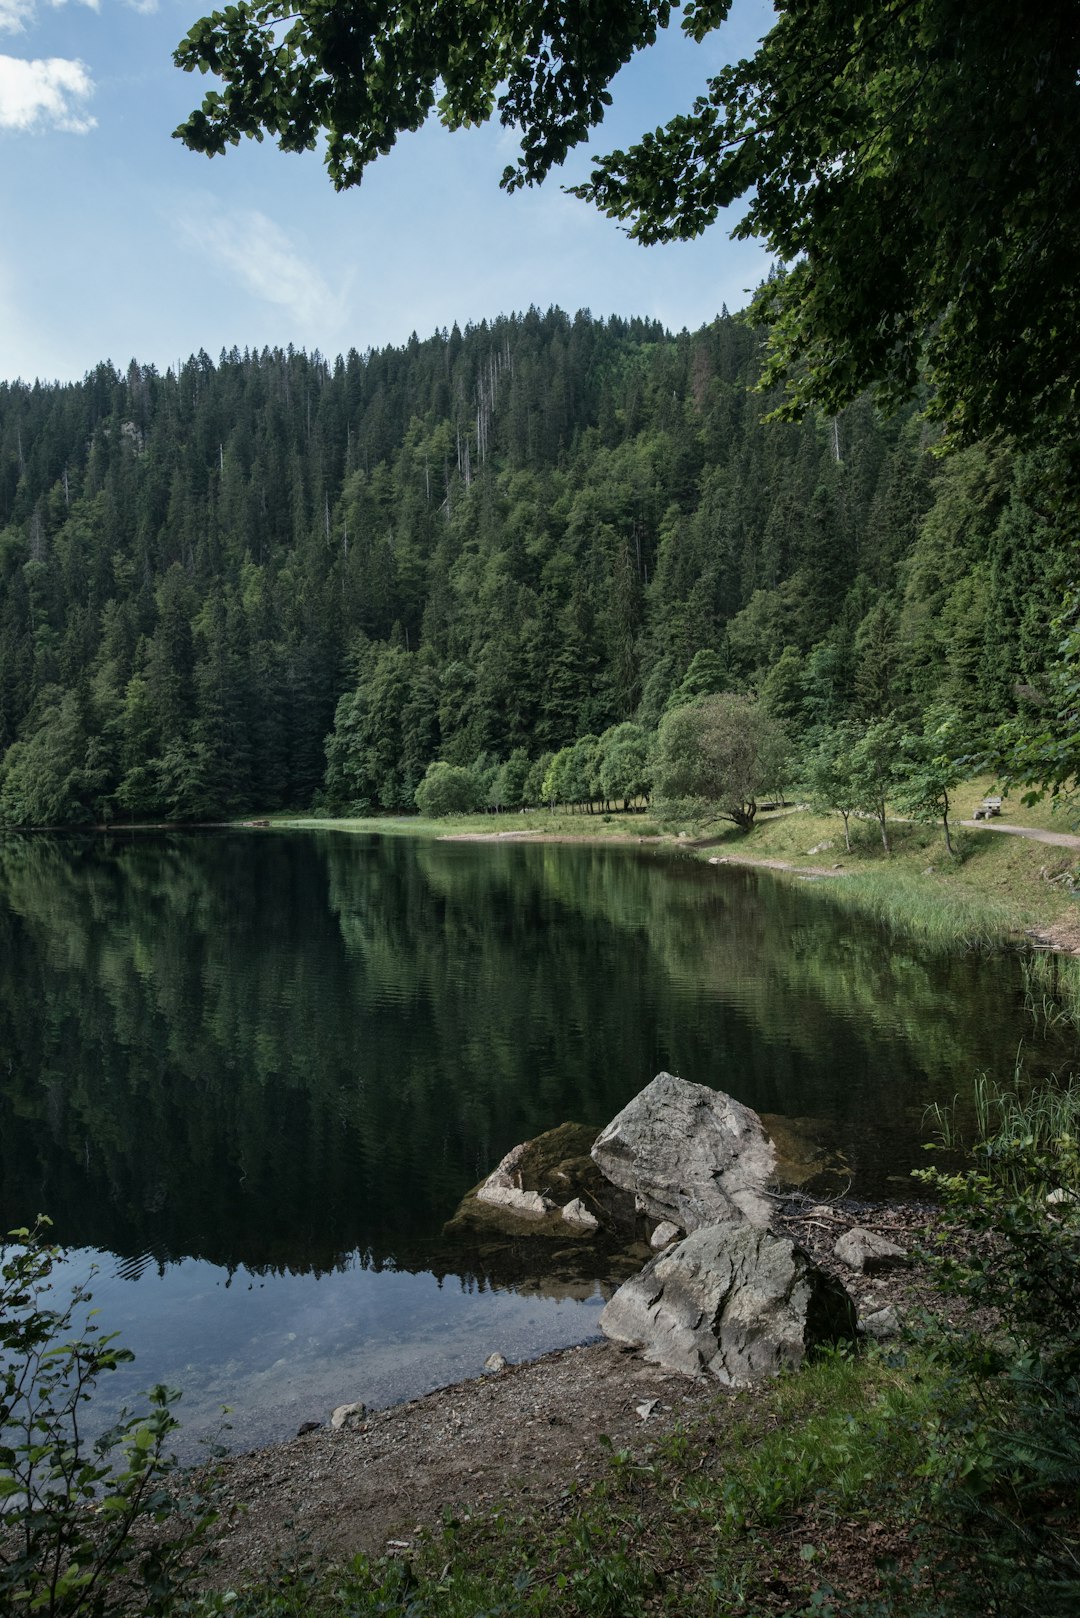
x=272 y=581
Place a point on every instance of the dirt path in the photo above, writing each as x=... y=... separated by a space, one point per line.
x=1062 y=839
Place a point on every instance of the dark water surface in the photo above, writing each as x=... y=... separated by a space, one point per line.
x=253 y=1073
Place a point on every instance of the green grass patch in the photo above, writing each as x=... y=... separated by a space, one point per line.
x=994 y=889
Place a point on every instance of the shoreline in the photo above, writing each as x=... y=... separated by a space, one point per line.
x=512 y=1438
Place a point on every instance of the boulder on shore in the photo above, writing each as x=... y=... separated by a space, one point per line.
x=734 y=1300
x=690 y=1155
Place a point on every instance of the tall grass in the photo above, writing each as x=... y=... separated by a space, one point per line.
x=1052 y=988
x=944 y=917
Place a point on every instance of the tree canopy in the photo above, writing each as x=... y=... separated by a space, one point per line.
x=915 y=163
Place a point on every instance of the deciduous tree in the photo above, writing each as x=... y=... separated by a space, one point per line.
x=718 y=757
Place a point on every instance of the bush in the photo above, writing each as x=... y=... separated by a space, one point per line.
x=1007 y=1474
x=447 y=789
x=94 y=1529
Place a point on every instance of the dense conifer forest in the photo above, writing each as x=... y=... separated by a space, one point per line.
x=275 y=582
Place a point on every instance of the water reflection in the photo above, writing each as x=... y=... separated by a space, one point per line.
x=288 y=1055
x=282 y=1050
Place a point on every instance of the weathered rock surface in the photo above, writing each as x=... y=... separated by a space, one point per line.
x=881 y=1324
x=689 y=1154
x=503 y=1188
x=664 y=1234
x=346 y=1416
x=732 y=1299
x=867 y=1253
x=548 y=1252
x=526 y=1204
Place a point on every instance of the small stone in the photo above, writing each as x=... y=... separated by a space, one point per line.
x=494 y=1363
x=308 y=1427
x=664 y=1234
x=646 y=1408
x=576 y=1213
x=1058 y=1195
x=868 y=1253
x=881 y=1324
x=346 y=1416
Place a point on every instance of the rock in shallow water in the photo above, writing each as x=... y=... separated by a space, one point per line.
x=732 y=1299
x=689 y=1154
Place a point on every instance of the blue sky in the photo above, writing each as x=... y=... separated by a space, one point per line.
x=118 y=243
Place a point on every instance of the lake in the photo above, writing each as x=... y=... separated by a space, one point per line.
x=251 y=1074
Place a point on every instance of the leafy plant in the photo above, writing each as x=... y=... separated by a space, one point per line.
x=1006 y=1473
x=88 y=1528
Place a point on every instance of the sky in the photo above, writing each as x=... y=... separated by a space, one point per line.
x=117 y=243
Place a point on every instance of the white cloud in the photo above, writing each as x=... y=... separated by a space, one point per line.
x=263 y=259
x=15 y=14
x=45 y=93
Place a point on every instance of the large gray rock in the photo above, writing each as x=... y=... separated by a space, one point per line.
x=689 y=1154
x=737 y=1301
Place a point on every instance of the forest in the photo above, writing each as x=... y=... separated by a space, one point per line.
x=276 y=582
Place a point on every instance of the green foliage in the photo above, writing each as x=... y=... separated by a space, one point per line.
x=718 y=756
x=874 y=769
x=487 y=544
x=915 y=163
x=932 y=769
x=1007 y=1473
x=88 y=1530
x=447 y=789
x=1043 y=753
x=828 y=775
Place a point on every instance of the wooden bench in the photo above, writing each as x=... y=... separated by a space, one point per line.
x=988 y=808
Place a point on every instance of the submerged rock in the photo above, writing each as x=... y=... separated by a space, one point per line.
x=734 y=1300
x=556 y=1252
x=688 y=1154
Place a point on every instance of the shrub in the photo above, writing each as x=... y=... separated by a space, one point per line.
x=94 y=1529
x=447 y=789
x=1007 y=1474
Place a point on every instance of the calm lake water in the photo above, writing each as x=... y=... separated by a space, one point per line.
x=251 y=1074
